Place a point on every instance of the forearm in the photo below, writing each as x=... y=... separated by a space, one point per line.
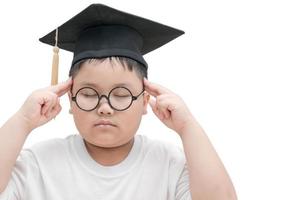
x=208 y=177
x=12 y=137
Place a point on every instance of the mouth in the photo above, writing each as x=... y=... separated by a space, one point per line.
x=104 y=123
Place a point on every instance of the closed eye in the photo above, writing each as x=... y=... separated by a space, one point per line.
x=89 y=95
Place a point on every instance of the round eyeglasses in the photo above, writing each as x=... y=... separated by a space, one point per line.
x=119 y=98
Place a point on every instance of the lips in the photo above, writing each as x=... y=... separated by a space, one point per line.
x=104 y=123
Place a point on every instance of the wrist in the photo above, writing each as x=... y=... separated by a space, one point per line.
x=191 y=126
x=22 y=122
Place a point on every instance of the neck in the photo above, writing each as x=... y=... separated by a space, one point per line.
x=109 y=156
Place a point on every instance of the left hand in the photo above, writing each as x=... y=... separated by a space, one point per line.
x=168 y=107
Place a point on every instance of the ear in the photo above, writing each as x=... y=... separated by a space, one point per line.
x=146 y=98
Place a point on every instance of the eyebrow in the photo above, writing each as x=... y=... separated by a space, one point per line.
x=114 y=85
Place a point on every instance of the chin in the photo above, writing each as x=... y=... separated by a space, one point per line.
x=105 y=140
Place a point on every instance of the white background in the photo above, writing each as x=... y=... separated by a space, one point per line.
x=237 y=68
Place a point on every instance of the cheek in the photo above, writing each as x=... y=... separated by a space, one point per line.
x=131 y=119
x=81 y=120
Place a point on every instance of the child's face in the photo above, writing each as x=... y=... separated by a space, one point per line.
x=103 y=77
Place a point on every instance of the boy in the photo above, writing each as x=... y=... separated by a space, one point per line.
x=109 y=93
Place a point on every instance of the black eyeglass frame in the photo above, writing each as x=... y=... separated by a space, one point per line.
x=133 y=98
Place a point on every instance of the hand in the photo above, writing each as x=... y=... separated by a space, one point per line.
x=168 y=107
x=43 y=104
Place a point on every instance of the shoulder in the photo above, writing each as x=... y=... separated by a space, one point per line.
x=166 y=158
x=48 y=149
x=163 y=150
x=55 y=142
x=46 y=155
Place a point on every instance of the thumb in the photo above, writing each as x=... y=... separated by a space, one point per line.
x=155 y=110
x=152 y=103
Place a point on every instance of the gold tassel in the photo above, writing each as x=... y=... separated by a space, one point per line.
x=55 y=61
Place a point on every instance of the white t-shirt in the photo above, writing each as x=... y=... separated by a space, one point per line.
x=62 y=169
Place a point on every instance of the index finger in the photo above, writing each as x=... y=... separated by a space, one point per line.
x=155 y=89
x=61 y=88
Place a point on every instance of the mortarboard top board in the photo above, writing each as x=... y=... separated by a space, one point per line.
x=101 y=31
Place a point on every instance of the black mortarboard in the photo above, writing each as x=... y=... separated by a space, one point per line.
x=101 y=31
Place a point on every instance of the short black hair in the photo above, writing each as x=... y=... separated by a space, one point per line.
x=126 y=62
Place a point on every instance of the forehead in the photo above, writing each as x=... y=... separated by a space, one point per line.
x=106 y=73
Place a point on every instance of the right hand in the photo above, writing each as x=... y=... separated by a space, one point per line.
x=43 y=104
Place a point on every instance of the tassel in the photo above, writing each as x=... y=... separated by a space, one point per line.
x=55 y=61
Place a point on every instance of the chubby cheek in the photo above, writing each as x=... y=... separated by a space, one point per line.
x=132 y=117
x=81 y=119
x=129 y=123
x=82 y=122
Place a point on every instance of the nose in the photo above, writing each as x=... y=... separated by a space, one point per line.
x=104 y=107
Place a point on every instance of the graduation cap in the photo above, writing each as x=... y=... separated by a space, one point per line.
x=100 y=31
